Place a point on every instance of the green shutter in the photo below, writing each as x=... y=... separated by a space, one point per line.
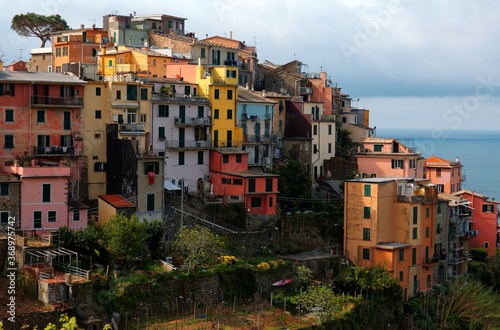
x=368 y=190
x=251 y=185
x=67 y=120
x=415 y=215
x=46 y=193
x=269 y=184
x=366 y=212
x=151 y=202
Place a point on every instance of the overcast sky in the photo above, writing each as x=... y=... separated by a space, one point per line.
x=414 y=64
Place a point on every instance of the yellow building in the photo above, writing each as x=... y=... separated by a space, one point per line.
x=392 y=222
x=220 y=85
x=126 y=64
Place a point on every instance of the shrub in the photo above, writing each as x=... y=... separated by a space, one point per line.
x=479 y=254
x=273 y=264
x=263 y=266
x=227 y=260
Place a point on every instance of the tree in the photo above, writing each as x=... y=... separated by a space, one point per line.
x=197 y=244
x=363 y=279
x=154 y=234
x=36 y=25
x=346 y=145
x=124 y=237
x=294 y=180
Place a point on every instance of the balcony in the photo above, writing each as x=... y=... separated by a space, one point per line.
x=410 y=199
x=56 y=101
x=328 y=118
x=257 y=139
x=53 y=151
x=433 y=260
x=462 y=177
x=187 y=144
x=179 y=99
x=230 y=63
x=472 y=233
x=132 y=129
x=192 y=121
x=120 y=68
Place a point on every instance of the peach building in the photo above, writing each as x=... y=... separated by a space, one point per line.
x=393 y=222
x=383 y=157
x=445 y=174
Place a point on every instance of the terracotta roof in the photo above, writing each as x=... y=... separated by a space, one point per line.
x=245 y=95
x=117 y=200
x=473 y=193
x=250 y=174
x=440 y=162
x=7 y=177
x=46 y=77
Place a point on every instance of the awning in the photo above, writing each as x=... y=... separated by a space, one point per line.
x=170 y=186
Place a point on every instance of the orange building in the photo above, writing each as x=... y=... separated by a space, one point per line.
x=447 y=175
x=77 y=46
x=392 y=222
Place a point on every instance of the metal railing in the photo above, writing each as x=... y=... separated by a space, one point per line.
x=56 y=100
x=132 y=127
x=211 y=222
x=53 y=150
x=187 y=144
x=195 y=121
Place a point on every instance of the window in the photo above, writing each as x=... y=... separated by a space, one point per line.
x=161 y=133
x=52 y=216
x=377 y=148
x=452 y=187
x=315 y=129
x=203 y=53
x=280 y=125
x=58 y=52
x=67 y=120
x=488 y=208
x=200 y=157
x=238 y=182
x=366 y=234
x=46 y=188
x=329 y=129
x=414 y=256
x=368 y=189
x=131 y=92
x=229 y=94
x=440 y=188
x=37 y=219
x=150 y=202
x=256 y=202
x=9 y=115
x=187 y=90
x=163 y=110
x=144 y=93
x=40 y=116
x=98 y=91
x=366 y=212
x=412 y=163
x=269 y=184
x=238 y=158
x=271 y=202
x=4 y=189
x=315 y=148
x=438 y=172
x=216 y=94
x=98 y=114
x=401 y=276
x=438 y=228
x=99 y=167
x=118 y=95
x=486 y=245
x=143 y=117
x=401 y=255
x=366 y=254
x=4 y=217
x=251 y=185
x=414 y=233
x=152 y=167
x=9 y=141
x=397 y=163
x=452 y=172
x=181 y=158
x=415 y=215
x=438 y=208
x=329 y=148
x=226 y=181
x=66 y=141
x=225 y=159
x=110 y=63
x=427 y=212
x=216 y=114
x=229 y=114
x=427 y=231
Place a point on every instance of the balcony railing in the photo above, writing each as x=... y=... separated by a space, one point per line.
x=434 y=259
x=226 y=143
x=56 y=101
x=187 y=144
x=410 y=199
x=257 y=138
x=132 y=129
x=53 y=150
x=179 y=99
x=192 y=121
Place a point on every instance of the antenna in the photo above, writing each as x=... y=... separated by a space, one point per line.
x=21 y=56
x=93 y=20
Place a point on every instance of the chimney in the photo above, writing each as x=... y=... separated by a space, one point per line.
x=457 y=159
x=246 y=86
x=263 y=93
x=230 y=34
x=82 y=26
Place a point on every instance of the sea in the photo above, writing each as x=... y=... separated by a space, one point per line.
x=478 y=151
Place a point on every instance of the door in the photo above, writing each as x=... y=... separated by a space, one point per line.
x=256 y=155
x=67 y=120
x=216 y=138
x=182 y=113
x=229 y=138
x=257 y=132
x=182 y=137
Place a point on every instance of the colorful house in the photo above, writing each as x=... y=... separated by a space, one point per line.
x=113 y=204
x=383 y=157
x=44 y=198
x=393 y=222
x=232 y=180
x=43 y=116
x=10 y=201
x=446 y=175
x=482 y=231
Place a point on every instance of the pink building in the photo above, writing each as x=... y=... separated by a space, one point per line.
x=483 y=225
x=232 y=180
x=383 y=157
x=447 y=175
x=44 y=198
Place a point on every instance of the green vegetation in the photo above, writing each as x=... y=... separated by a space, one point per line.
x=37 y=25
x=294 y=182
